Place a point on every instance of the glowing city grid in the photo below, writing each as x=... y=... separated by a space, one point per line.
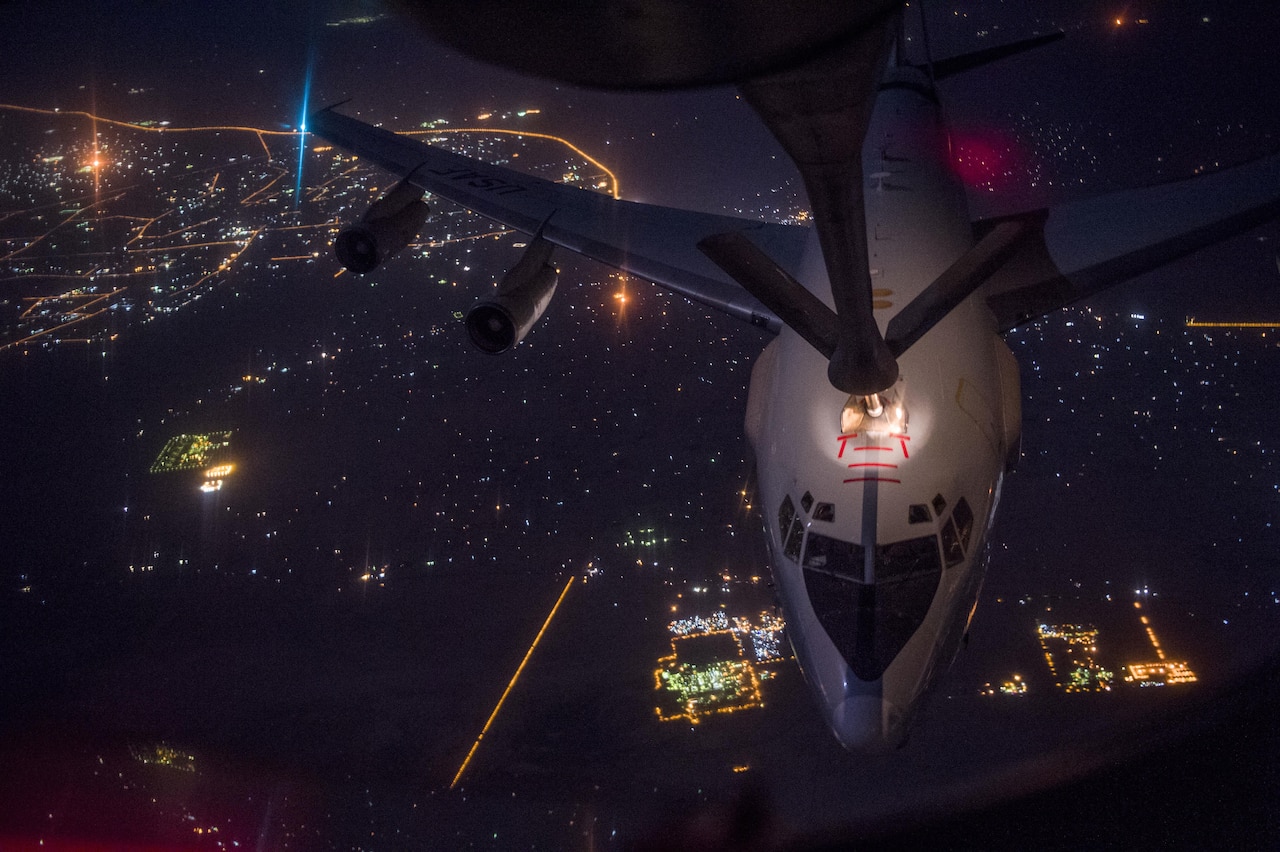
x=188 y=452
x=1071 y=653
x=710 y=669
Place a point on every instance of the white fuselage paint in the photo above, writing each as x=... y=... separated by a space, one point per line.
x=960 y=388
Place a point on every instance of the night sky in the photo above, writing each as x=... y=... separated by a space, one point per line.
x=482 y=485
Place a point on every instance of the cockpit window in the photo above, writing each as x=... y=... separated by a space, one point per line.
x=786 y=513
x=807 y=501
x=824 y=512
x=795 y=535
x=918 y=513
x=939 y=504
x=952 y=551
x=790 y=528
x=870 y=623
x=906 y=558
x=963 y=517
x=833 y=556
x=956 y=532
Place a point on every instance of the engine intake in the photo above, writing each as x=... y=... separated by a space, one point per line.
x=497 y=324
x=385 y=228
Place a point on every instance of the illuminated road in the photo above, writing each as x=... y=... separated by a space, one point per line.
x=470 y=754
x=262 y=133
x=164 y=129
x=613 y=180
x=78 y=312
x=61 y=224
x=1192 y=322
x=438 y=243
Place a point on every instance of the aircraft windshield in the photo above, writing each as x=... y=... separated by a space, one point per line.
x=870 y=622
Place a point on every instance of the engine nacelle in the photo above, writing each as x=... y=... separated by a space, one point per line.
x=497 y=324
x=385 y=228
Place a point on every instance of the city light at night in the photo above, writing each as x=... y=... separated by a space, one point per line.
x=282 y=549
x=164 y=754
x=1071 y=652
x=708 y=670
x=236 y=215
x=1162 y=672
x=188 y=452
x=1015 y=687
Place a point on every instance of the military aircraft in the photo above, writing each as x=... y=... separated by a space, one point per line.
x=885 y=412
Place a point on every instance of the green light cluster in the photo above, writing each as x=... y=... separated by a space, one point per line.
x=1084 y=678
x=188 y=452
x=647 y=537
x=705 y=682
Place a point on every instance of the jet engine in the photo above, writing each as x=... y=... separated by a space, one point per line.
x=497 y=324
x=385 y=228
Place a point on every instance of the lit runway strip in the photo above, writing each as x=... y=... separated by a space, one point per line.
x=511 y=685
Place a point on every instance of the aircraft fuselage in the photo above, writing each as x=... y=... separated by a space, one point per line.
x=877 y=510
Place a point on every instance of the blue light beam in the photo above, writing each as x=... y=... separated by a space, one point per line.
x=302 y=125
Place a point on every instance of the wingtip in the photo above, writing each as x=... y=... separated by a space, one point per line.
x=331 y=107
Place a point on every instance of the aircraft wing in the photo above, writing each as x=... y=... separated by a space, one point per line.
x=652 y=242
x=1081 y=248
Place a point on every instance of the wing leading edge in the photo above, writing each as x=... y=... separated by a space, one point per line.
x=1084 y=247
x=1072 y=250
x=652 y=242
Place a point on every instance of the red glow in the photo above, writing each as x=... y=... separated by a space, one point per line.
x=985 y=159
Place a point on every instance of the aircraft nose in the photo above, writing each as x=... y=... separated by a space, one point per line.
x=868 y=723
